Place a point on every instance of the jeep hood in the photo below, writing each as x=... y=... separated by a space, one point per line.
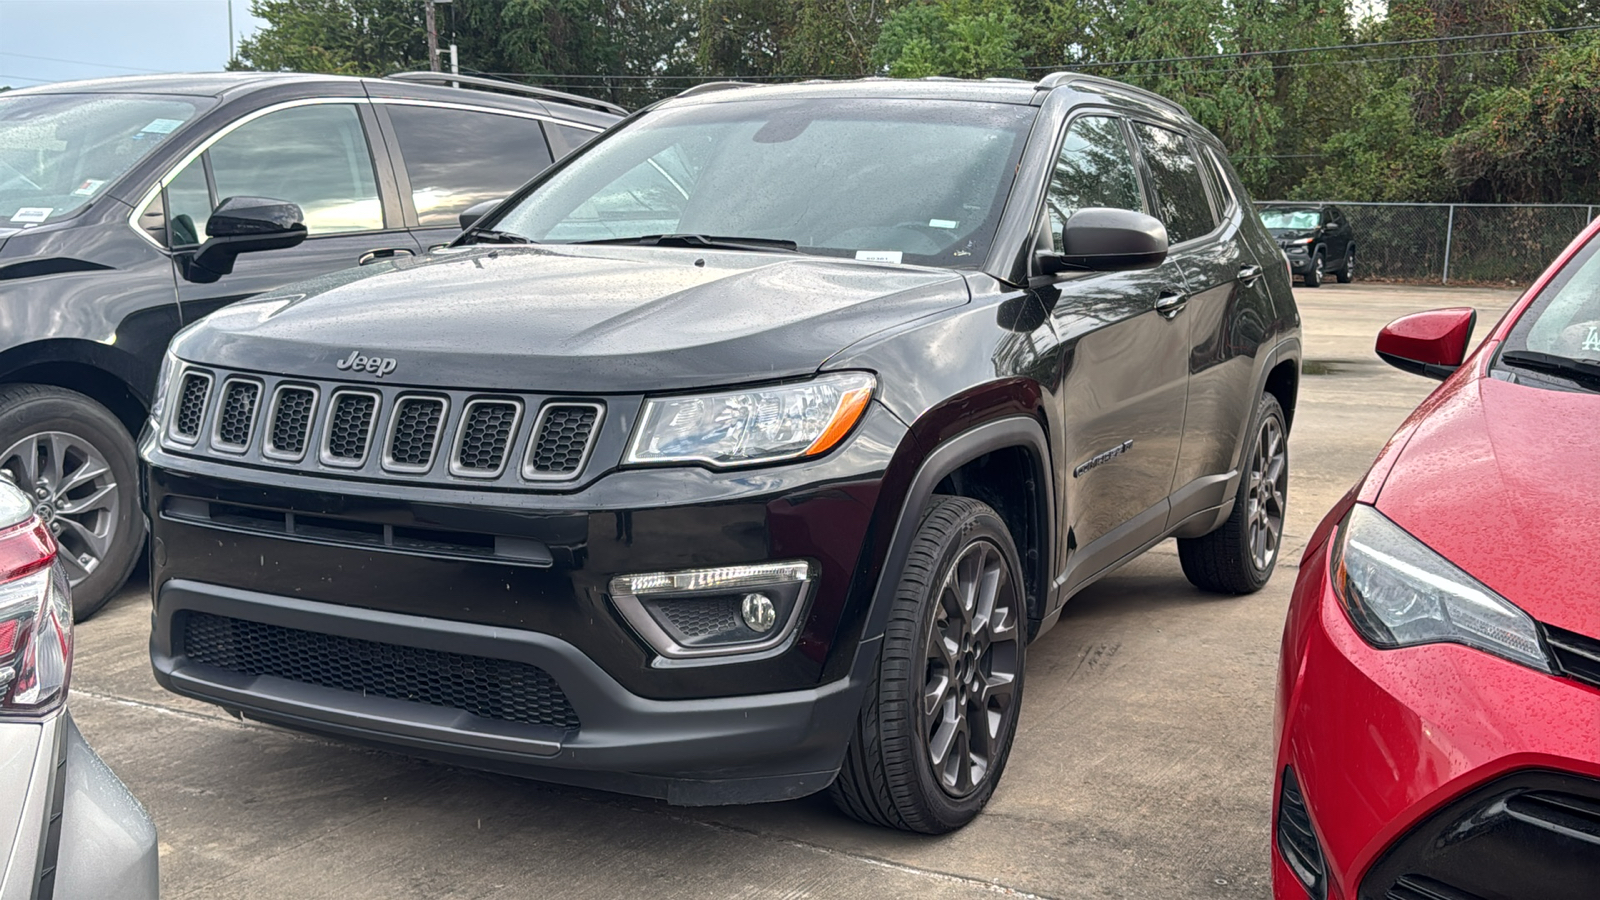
x=573 y=319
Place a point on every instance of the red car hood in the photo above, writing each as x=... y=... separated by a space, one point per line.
x=1504 y=481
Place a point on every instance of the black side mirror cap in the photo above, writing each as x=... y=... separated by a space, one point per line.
x=476 y=211
x=244 y=225
x=1098 y=239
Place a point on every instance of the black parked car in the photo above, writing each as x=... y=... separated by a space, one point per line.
x=113 y=233
x=743 y=452
x=1316 y=237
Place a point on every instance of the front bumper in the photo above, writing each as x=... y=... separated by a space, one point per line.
x=1433 y=768
x=594 y=705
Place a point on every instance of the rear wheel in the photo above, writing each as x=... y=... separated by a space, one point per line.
x=937 y=724
x=1239 y=557
x=1348 y=273
x=78 y=464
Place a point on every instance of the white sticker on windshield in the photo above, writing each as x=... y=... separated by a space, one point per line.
x=89 y=186
x=33 y=214
x=888 y=256
x=161 y=126
x=943 y=223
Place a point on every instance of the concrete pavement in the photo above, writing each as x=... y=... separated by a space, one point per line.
x=1142 y=767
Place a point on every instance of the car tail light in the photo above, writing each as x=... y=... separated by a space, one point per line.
x=35 y=613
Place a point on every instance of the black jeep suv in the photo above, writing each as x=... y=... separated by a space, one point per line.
x=1316 y=238
x=741 y=454
x=118 y=224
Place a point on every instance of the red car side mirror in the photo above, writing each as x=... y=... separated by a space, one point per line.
x=1429 y=343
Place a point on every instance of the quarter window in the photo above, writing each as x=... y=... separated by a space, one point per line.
x=312 y=156
x=1181 y=199
x=1094 y=168
x=457 y=158
x=565 y=138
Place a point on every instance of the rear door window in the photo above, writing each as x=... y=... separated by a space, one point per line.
x=1182 y=204
x=457 y=158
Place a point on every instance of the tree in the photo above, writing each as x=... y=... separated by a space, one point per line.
x=961 y=38
x=338 y=37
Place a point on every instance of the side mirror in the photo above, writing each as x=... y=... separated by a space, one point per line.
x=244 y=225
x=1432 y=343
x=1096 y=239
x=476 y=211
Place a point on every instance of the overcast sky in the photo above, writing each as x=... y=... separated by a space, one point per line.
x=61 y=40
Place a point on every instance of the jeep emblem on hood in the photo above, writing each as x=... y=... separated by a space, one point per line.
x=377 y=365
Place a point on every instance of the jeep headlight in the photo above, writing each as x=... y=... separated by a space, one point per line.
x=1400 y=593
x=758 y=425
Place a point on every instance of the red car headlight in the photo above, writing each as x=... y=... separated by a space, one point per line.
x=1399 y=593
x=35 y=613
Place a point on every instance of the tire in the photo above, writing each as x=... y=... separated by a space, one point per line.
x=890 y=776
x=76 y=461
x=1317 y=272
x=1239 y=557
x=1348 y=273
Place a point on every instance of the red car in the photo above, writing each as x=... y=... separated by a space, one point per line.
x=1438 y=712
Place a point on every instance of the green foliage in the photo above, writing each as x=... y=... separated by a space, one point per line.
x=341 y=37
x=961 y=38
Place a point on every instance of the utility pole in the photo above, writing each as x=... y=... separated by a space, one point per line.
x=455 y=66
x=433 y=38
x=230 y=30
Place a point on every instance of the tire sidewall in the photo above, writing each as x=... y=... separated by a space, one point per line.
x=901 y=696
x=57 y=409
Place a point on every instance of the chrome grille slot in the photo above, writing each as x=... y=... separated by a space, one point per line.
x=351 y=416
x=290 y=422
x=236 y=416
x=191 y=411
x=414 y=434
x=487 y=429
x=562 y=440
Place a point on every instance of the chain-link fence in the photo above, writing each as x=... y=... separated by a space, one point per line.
x=1460 y=242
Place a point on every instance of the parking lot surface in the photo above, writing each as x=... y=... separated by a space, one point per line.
x=1142 y=768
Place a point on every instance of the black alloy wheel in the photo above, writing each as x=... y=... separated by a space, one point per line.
x=77 y=463
x=1239 y=557
x=1318 y=270
x=938 y=722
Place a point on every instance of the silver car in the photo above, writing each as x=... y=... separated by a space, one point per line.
x=68 y=827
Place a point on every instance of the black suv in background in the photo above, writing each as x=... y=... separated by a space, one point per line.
x=742 y=453
x=118 y=224
x=1316 y=237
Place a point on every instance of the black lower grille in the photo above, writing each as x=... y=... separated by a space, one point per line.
x=497 y=689
x=1577 y=656
x=1416 y=887
x=1297 y=840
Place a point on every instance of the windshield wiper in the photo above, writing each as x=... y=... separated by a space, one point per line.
x=709 y=241
x=489 y=236
x=1581 y=371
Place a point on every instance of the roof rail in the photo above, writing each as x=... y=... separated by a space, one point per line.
x=1106 y=86
x=512 y=87
x=712 y=87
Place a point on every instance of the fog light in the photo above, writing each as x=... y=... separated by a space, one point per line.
x=710 y=612
x=759 y=613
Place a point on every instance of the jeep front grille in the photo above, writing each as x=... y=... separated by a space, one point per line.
x=290 y=425
x=191 y=411
x=238 y=413
x=414 y=433
x=487 y=427
x=350 y=418
x=400 y=433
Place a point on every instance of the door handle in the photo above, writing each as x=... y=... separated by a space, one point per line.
x=1249 y=275
x=385 y=253
x=1169 y=305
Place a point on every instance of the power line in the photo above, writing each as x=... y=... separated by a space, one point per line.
x=1362 y=46
x=79 y=62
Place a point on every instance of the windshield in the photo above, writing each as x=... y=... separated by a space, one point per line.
x=1291 y=219
x=1565 y=319
x=883 y=180
x=59 y=151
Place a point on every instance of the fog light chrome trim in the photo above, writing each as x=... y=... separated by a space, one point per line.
x=626 y=591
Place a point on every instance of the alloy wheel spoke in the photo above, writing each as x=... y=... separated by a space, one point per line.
x=103 y=498
x=934 y=693
x=86 y=473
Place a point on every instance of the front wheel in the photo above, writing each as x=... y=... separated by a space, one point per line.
x=1348 y=273
x=938 y=720
x=1317 y=272
x=74 y=459
x=1239 y=557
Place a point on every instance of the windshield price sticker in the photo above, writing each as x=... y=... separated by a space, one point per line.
x=884 y=256
x=161 y=126
x=32 y=215
x=89 y=186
